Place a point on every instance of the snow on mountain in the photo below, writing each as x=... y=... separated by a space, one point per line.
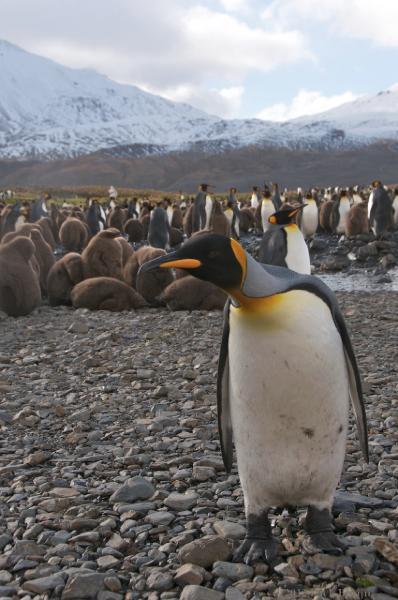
x=50 y=111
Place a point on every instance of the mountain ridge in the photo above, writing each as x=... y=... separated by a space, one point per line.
x=52 y=112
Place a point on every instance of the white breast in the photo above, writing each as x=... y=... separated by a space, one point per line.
x=395 y=207
x=289 y=402
x=309 y=221
x=344 y=208
x=170 y=211
x=254 y=201
x=267 y=209
x=297 y=257
x=208 y=209
x=370 y=204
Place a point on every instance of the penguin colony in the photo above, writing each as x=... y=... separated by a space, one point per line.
x=97 y=241
x=288 y=422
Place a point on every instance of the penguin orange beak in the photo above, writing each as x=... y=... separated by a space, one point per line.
x=182 y=263
x=170 y=261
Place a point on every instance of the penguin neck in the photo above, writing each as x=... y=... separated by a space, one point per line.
x=258 y=287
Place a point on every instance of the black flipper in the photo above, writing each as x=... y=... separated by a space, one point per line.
x=223 y=407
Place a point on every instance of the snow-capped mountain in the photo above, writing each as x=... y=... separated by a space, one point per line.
x=51 y=111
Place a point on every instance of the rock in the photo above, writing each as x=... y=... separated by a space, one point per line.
x=197 y=592
x=78 y=327
x=64 y=492
x=205 y=551
x=178 y=501
x=189 y=574
x=388 y=550
x=136 y=488
x=232 y=593
x=44 y=584
x=363 y=252
x=83 y=586
x=335 y=263
x=229 y=530
x=160 y=581
x=160 y=518
x=232 y=571
x=107 y=562
x=37 y=458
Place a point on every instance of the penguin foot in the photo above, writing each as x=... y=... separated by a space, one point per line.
x=253 y=550
x=321 y=537
x=258 y=543
x=326 y=541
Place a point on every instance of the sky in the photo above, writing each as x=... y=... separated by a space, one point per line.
x=271 y=59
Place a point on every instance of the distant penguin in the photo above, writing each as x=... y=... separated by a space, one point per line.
x=246 y=219
x=62 y=277
x=19 y=282
x=135 y=230
x=190 y=293
x=357 y=220
x=177 y=217
x=286 y=408
x=169 y=210
x=44 y=256
x=325 y=214
x=233 y=204
x=208 y=209
x=149 y=285
x=188 y=221
x=159 y=229
x=254 y=200
x=105 y=293
x=103 y=255
x=339 y=213
x=73 y=235
x=381 y=213
x=395 y=207
x=276 y=198
x=199 y=208
x=117 y=218
x=283 y=243
x=309 y=217
x=219 y=223
x=267 y=209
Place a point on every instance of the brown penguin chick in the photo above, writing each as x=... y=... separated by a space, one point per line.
x=135 y=230
x=73 y=235
x=45 y=225
x=127 y=250
x=11 y=235
x=325 y=215
x=103 y=255
x=19 y=284
x=190 y=293
x=188 y=221
x=44 y=256
x=116 y=218
x=149 y=285
x=177 y=217
x=105 y=293
x=145 y=221
x=246 y=219
x=62 y=277
x=218 y=221
x=176 y=237
x=357 y=220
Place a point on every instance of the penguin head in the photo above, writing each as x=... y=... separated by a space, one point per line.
x=285 y=216
x=211 y=257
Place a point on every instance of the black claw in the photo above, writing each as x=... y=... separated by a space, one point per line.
x=321 y=537
x=254 y=550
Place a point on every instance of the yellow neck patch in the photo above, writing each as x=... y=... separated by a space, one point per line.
x=255 y=305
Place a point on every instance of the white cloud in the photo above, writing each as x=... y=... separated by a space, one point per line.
x=234 y=5
x=361 y=19
x=187 y=46
x=306 y=102
x=223 y=103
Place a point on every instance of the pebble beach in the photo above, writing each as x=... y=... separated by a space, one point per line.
x=112 y=485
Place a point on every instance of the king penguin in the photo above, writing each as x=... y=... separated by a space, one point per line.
x=286 y=374
x=310 y=217
x=283 y=243
x=267 y=209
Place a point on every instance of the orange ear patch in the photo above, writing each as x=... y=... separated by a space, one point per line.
x=240 y=256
